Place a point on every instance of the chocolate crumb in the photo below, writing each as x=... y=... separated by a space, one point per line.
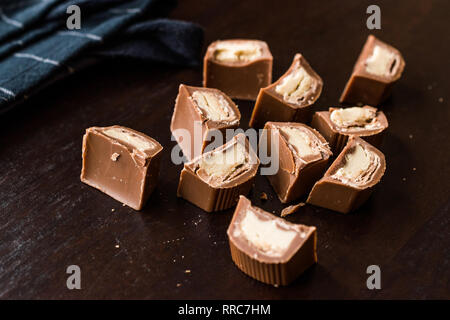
x=291 y=209
x=115 y=156
x=263 y=196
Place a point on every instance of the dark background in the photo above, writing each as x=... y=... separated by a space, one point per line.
x=50 y=220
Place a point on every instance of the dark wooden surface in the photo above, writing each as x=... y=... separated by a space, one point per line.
x=50 y=220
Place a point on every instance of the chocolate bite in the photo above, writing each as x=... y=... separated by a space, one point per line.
x=289 y=98
x=122 y=163
x=214 y=180
x=302 y=154
x=350 y=180
x=267 y=248
x=378 y=67
x=238 y=67
x=337 y=124
x=198 y=113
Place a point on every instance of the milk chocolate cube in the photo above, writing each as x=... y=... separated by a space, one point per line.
x=198 y=113
x=122 y=163
x=378 y=67
x=214 y=180
x=267 y=248
x=350 y=180
x=337 y=124
x=238 y=67
x=289 y=98
x=302 y=156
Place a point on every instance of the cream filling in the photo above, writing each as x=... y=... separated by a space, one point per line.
x=359 y=168
x=301 y=142
x=130 y=138
x=266 y=235
x=294 y=86
x=223 y=163
x=355 y=118
x=382 y=62
x=213 y=106
x=237 y=51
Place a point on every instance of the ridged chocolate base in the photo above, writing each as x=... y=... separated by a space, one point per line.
x=338 y=143
x=274 y=274
x=277 y=273
x=210 y=199
x=228 y=197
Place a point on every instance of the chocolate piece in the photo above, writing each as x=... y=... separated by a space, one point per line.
x=350 y=180
x=268 y=248
x=121 y=162
x=378 y=67
x=303 y=158
x=214 y=180
x=198 y=112
x=289 y=98
x=337 y=124
x=238 y=67
x=291 y=209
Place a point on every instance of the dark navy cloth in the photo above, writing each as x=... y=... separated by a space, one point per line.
x=36 y=47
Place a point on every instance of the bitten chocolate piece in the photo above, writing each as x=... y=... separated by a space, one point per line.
x=238 y=67
x=198 y=113
x=214 y=180
x=122 y=163
x=378 y=67
x=303 y=157
x=289 y=98
x=350 y=180
x=337 y=124
x=268 y=248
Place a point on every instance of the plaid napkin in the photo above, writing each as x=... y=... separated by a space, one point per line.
x=36 y=48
